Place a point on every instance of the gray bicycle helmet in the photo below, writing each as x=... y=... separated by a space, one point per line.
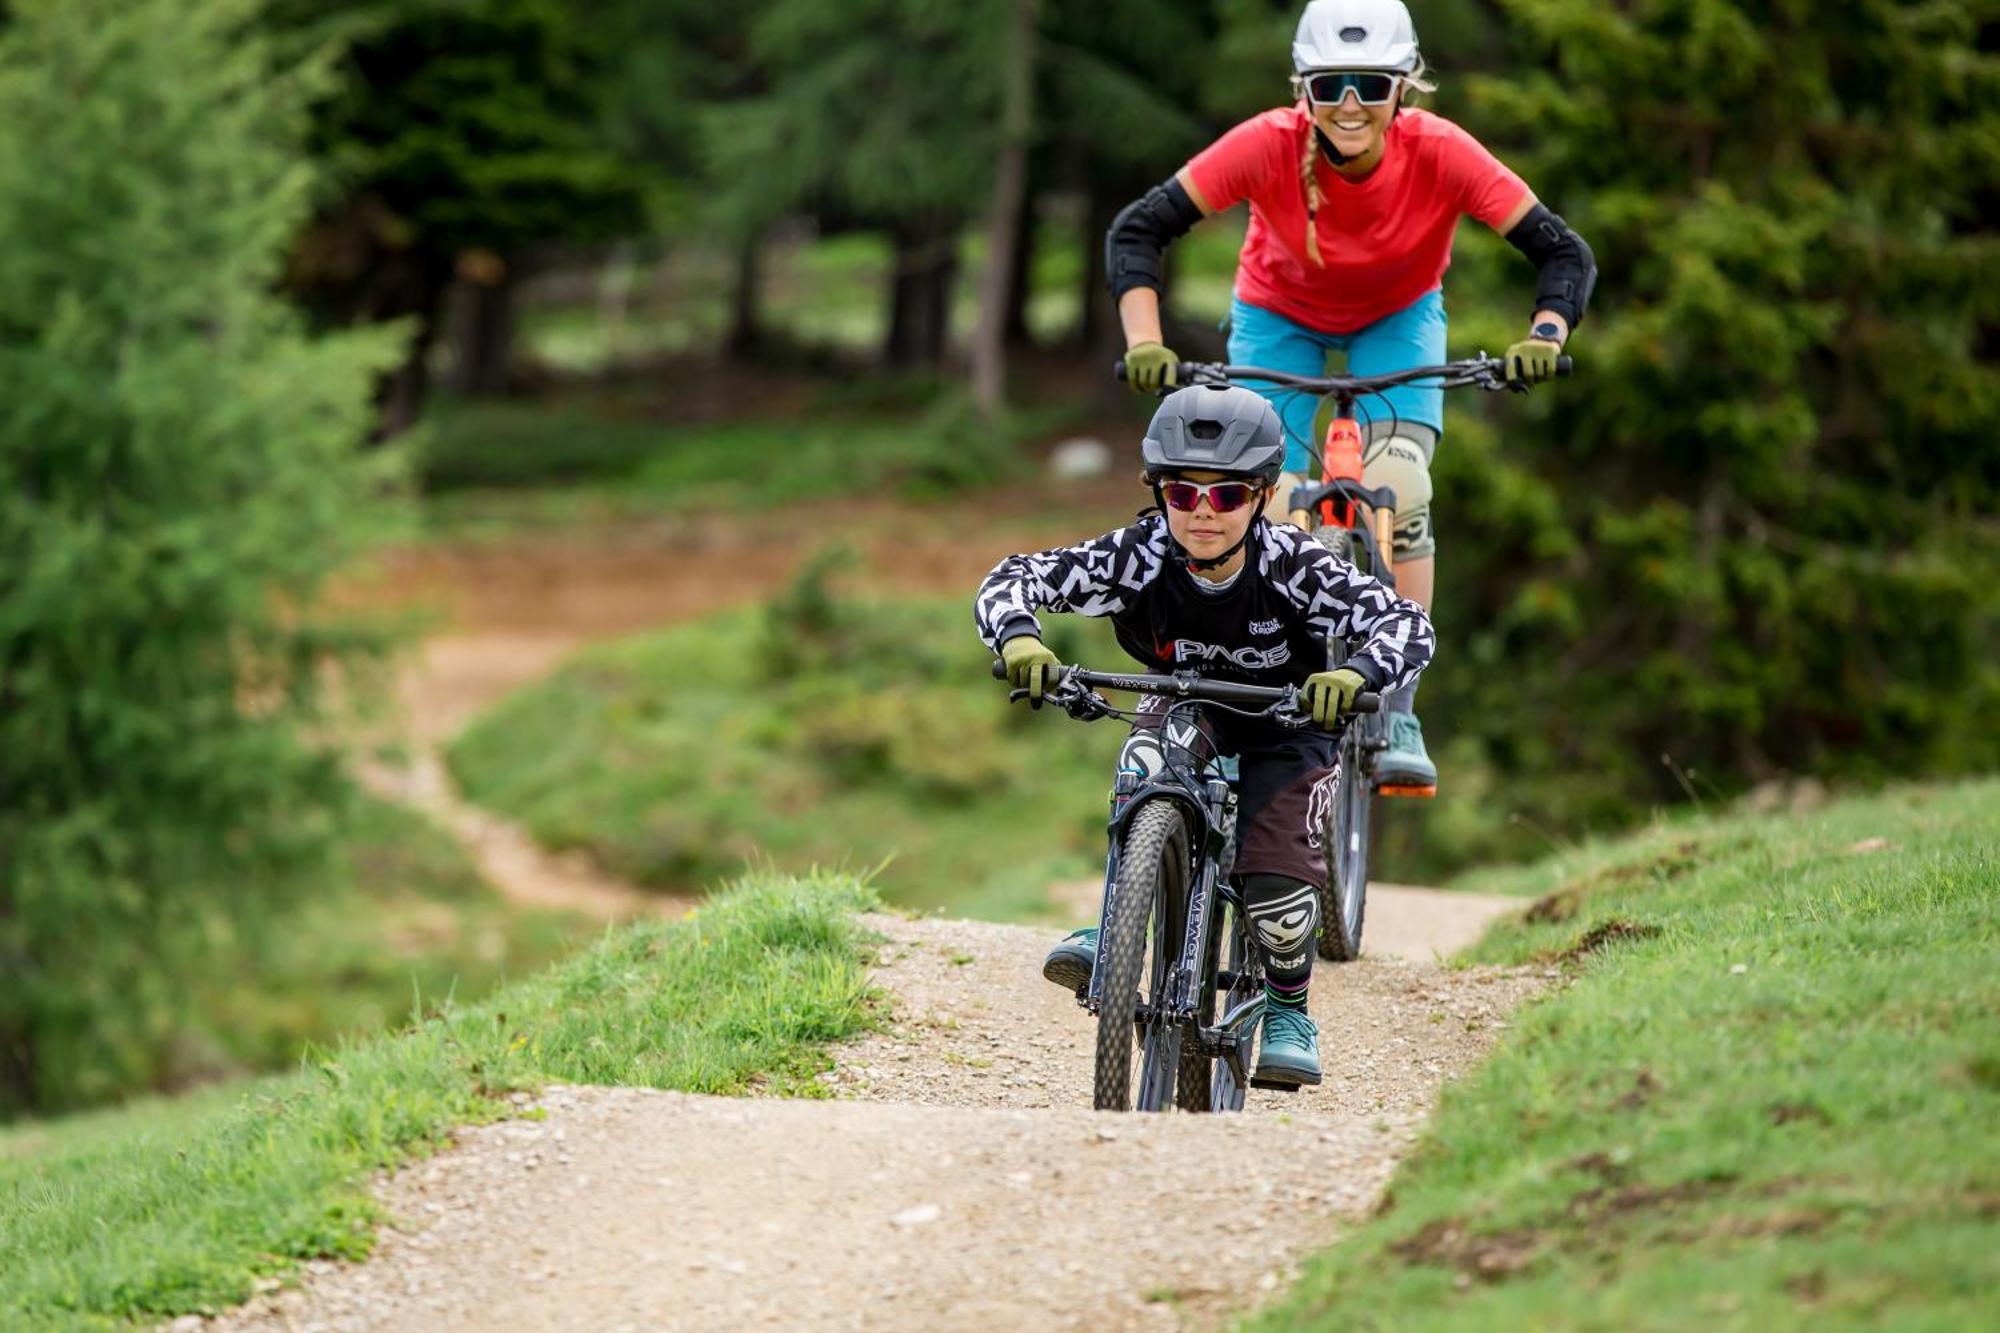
x=1215 y=428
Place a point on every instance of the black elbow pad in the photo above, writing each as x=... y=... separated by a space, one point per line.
x=1140 y=234
x=1567 y=269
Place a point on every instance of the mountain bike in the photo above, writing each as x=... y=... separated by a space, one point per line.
x=1353 y=521
x=1174 y=945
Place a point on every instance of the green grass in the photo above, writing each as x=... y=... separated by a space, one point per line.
x=1769 y=1096
x=502 y=465
x=812 y=732
x=180 y=1207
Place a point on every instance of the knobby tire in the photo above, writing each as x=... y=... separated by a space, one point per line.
x=1152 y=886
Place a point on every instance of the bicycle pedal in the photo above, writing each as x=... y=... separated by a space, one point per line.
x=1409 y=792
x=1272 y=1085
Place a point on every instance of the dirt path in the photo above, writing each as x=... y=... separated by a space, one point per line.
x=955 y=1182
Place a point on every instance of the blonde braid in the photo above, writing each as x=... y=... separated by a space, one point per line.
x=1309 y=178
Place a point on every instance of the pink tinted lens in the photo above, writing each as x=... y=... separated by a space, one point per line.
x=1223 y=497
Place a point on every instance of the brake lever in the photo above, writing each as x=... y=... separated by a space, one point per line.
x=1074 y=700
x=1086 y=706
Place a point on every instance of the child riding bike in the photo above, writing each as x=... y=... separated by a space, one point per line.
x=1354 y=200
x=1208 y=584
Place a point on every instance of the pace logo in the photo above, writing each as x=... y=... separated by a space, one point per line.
x=1249 y=658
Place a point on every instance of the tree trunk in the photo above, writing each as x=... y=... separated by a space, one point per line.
x=482 y=325
x=411 y=288
x=17 y=1067
x=1004 y=224
x=926 y=265
x=1021 y=290
x=746 y=329
x=17 y=1031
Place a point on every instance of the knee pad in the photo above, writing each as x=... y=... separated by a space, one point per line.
x=1398 y=455
x=1284 y=915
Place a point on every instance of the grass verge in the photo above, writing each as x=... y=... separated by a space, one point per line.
x=1769 y=1095
x=177 y=1209
x=814 y=731
x=494 y=468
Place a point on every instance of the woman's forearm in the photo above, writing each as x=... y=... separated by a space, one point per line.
x=1139 y=313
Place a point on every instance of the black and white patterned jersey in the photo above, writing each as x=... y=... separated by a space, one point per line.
x=1269 y=627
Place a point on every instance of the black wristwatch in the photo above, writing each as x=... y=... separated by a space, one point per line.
x=1549 y=331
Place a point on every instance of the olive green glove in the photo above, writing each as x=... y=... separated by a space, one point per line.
x=1328 y=694
x=1532 y=360
x=1029 y=663
x=1150 y=367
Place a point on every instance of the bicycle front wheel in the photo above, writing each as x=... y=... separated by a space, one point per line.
x=1136 y=951
x=1344 y=836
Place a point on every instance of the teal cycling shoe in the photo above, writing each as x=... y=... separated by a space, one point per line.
x=1070 y=963
x=1405 y=768
x=1288 y=1049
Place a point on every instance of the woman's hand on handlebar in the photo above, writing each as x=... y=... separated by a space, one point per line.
x=1150 y=367
x=1534 y=361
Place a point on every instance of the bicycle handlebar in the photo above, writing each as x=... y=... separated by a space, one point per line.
x=1187 y=685
x=1489 y=371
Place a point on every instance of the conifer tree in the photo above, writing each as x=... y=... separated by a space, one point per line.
x=180 y=469
x=1756 y=531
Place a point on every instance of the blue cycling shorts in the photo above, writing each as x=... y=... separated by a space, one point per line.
x=1413 y=336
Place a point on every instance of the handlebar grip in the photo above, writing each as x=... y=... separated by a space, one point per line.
x=1367 y=702
x=1119 y=370
x=1000 y=670
x=1564 y=365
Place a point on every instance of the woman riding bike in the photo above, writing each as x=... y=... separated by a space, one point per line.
x=1209 y=585
x=1354 y=199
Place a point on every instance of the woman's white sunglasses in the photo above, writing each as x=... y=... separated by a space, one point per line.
x=1327 y=87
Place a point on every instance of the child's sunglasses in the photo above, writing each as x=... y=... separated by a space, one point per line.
x=1328 y=87
x=1224 y=497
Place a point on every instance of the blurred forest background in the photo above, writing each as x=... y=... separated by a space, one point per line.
x=282 y=283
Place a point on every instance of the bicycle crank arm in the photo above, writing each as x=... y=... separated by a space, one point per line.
x=1229 y=1047
x=1240 y=1020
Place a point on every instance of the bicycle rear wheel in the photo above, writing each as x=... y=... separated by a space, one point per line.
x=1136 y=951
x=1344 y=835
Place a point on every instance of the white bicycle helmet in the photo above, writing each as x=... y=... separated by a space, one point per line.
x=1356 y=34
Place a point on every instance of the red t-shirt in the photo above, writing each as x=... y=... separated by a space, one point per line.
x=1384 y=240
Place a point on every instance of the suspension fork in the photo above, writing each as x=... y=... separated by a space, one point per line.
x=1341 y=456
x=1207 y=827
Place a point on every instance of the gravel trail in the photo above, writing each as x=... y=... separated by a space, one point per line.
x=956 y=1179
